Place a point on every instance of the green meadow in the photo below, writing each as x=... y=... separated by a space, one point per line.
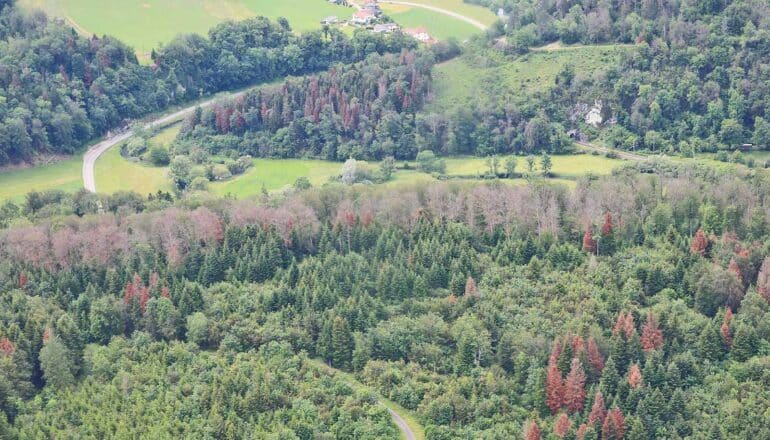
x=65 y=175
x=144 y=24
x=492 y=76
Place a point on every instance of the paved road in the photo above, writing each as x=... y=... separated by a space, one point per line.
x=89 y=159
x=402 y=425
x=468 y=20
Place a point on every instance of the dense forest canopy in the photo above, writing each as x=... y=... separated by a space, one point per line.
x=58 y=89
x=634 y=306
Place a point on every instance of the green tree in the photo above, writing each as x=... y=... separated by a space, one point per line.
x=56 y=364
x=545 y=164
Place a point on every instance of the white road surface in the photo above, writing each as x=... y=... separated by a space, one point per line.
x=89 y=159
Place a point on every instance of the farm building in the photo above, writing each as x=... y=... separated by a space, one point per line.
x=363 y=17
x=420 y=34
x=385 y=28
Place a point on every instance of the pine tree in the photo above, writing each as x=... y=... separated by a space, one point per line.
x=763 y=280
x=699 y=243
x=745 y=343
x=554 y=388
x=574 y=388
x=598 y=410
x=595 y=360
x=533 y=431
x=562 y=426
x=610 y=378
x=341 y=344
x=652 y=336
x=55 y=363
x=614 y=425
x=634 y=376
x=710 y=344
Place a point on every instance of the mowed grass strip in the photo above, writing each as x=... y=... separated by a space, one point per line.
x=65 y=175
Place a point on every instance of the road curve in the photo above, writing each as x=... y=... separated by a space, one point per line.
x=93 y=153
x=402 y=425
x=468 y=20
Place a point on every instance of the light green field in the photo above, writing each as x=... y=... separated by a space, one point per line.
x=65 y=175
x=114 y=173
x=478 y=13
x=439 y=25
x=489 y=75
x=566 y=167
x=276 y=174
x=144 y=23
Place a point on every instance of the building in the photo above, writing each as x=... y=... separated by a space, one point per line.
x=332 y=19
x=385 y=28
x=363 y=17
x=372 y=7
x=420 y=34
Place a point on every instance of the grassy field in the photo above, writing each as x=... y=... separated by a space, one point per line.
x=145 y=23
x=567 y=167
x=478 y=13
x=490 y=75
x=115 y=173
x=65 y=175
x=277 y=174
x=439 y=25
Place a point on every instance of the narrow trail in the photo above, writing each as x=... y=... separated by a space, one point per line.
x=464 y=18
x=409 y=431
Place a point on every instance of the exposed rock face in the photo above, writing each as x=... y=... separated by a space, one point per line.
x=594 y=116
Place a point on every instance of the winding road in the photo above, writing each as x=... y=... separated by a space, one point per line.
x=93 y=153
x=468 y=20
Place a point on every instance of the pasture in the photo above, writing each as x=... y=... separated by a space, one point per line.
x=144 y=24
x=491 y=76
x=65 y=175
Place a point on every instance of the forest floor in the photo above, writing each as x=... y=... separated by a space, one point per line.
x=404 y=419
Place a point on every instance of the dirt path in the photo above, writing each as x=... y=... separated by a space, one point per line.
x=468 y=20
x=407 y=430
x=603 y=150
x=91 y=156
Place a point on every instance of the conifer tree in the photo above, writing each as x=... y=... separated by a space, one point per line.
x=634 y=376
x=574 y=388
x=562 y=426
x=614 y=425
x=699 y=243
x=652 y=336
x=341 y=343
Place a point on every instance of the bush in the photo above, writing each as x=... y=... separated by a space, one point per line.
x=159 y=156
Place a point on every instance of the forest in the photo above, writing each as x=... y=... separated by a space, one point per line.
x=635 y=306
x=692 y=80
x=59 y=90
